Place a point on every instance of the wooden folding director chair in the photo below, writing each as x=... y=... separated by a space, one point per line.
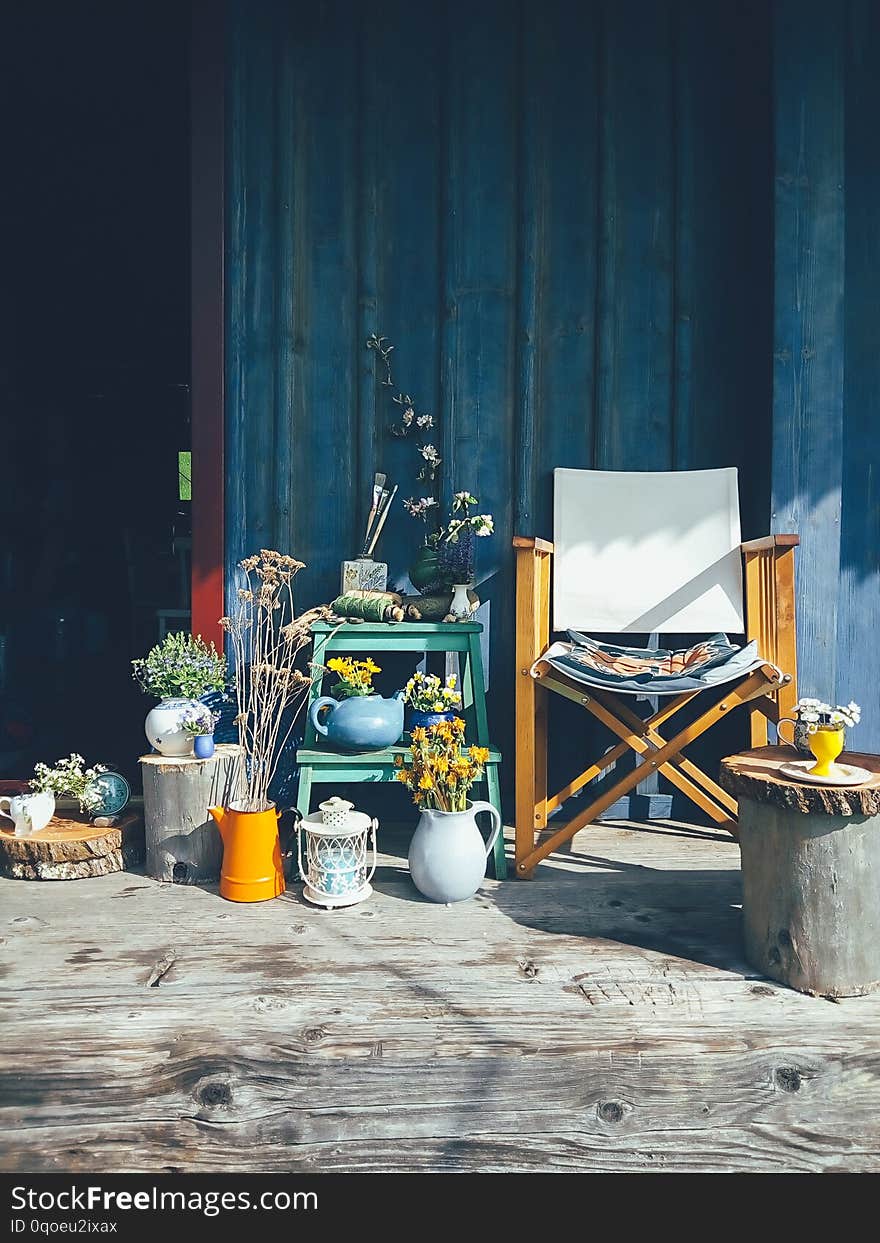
x=645 y=553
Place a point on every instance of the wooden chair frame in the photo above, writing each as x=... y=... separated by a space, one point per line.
x=770 y=620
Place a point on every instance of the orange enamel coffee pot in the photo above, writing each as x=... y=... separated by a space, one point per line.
x=252 y=870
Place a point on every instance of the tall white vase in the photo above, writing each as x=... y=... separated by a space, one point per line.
x=461 y=605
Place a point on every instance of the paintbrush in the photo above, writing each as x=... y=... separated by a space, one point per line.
x=378 y=488
x=383 y=496
x=380 y=521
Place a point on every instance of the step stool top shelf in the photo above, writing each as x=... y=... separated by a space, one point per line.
x=396 y=628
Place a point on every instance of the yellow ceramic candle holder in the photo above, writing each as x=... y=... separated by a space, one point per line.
x=826 y=745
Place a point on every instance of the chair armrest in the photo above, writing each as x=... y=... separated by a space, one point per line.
x=532 y=541
x=766 y=542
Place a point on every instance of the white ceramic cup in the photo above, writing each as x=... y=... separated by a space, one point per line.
x=28 y=812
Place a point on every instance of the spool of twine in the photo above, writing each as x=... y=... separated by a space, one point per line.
x=369 y=606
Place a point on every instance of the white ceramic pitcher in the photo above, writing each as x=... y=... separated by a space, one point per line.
x=28 y=812
x=447 y=857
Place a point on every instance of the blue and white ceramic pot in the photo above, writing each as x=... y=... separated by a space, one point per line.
x=424 y=720
x=447 y=855
x=164 y=729
x=361 y=723
x=203 y=746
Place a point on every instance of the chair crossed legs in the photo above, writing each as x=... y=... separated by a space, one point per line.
x=770 y=693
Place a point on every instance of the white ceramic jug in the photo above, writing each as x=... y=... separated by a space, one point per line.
x=447 y=857
x=28 y=812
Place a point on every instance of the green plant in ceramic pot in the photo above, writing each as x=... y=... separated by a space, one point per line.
x=177 y=672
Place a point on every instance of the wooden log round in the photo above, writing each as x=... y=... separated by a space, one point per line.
x=71 y=848
x=755 y=774
x=183 y=844
x=811 y=875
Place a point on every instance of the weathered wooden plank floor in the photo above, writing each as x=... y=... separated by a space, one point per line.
x=598 y=1018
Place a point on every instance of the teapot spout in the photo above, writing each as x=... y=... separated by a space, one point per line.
x=219 y=815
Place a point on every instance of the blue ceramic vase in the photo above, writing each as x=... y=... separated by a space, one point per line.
x=203 y=746
x=417 y=719
x=361 y=723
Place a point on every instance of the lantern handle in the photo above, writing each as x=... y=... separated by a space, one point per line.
x=374 y=825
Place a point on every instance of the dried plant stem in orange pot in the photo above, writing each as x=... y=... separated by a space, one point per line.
x=271 y=686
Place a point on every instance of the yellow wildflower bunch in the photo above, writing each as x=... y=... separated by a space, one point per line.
x=425 y=692
x=355 y=676
x=441 y=770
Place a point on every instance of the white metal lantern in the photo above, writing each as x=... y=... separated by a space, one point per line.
x=337 y=869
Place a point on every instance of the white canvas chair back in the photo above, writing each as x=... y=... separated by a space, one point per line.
x=639 y=552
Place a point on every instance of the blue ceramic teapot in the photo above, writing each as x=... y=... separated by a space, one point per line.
x=361 y=723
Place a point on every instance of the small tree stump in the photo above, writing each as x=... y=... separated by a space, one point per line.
x=182 y=841
x=71 y=849
x=811 y=874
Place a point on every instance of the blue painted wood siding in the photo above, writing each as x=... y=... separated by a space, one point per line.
x=561 y=214
x=826 y=436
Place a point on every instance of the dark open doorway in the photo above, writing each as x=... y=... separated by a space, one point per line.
x=94 y=369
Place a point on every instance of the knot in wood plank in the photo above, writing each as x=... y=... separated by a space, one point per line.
x=611 y=1112
x=787 y=1078
x=216 y=1095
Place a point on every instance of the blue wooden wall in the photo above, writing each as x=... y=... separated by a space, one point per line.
x=564 y=217
x=826 y=423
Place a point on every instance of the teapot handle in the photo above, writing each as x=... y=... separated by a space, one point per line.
x=324 y=702
x=479 y=805
x=786 y=720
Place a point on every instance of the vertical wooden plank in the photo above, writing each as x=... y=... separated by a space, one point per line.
x=858 y=667
x=479 y=256
x=278 y=470
x=557 y=251
x=634 y=416
x=207 y=199
x=809 y=316
x=723 y=245
x=324 y=81
x=368 y=172
x=252 y=249
x=401 y=162
x=235 y=267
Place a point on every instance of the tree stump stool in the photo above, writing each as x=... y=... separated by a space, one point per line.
x=72 y=849
x=182 y=841
x=811 y=873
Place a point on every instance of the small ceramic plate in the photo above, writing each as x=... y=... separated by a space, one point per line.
x=114 y=792
x=845 y=775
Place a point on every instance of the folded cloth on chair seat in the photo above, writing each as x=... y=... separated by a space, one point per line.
x=647 y=671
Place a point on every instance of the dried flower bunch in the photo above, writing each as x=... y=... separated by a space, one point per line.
x=441 y=771
x=69 y=778
x=199 y=720
x=355 y=676
x=426 y=693
x=267 y=637
x=818 y=715
x=182 y=666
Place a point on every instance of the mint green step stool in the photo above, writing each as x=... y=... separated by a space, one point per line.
x=319 y=763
